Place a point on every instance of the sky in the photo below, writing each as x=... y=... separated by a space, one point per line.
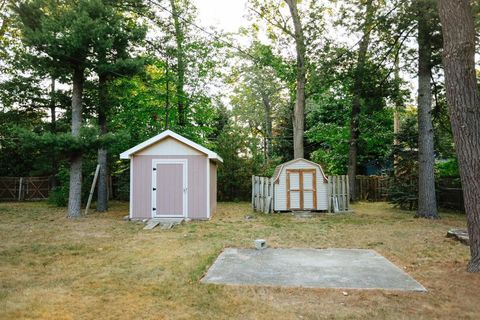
x=223 y=14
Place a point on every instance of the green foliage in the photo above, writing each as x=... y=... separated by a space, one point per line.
x=35 y=151
x=328 y=115
x=404 y=190
x=448 y=168
x=240 y=163
x=59 y=195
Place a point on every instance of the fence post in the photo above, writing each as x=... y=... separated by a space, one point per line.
x=20 y=185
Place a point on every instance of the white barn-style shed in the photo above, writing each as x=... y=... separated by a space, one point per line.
x=300 y=185
x=172 y=176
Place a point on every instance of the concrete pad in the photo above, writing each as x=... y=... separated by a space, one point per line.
x=311 y=268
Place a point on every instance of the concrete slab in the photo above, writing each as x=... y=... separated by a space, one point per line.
x=311 y=268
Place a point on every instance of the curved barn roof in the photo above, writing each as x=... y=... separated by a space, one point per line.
x=279 y=168
x=165 y=134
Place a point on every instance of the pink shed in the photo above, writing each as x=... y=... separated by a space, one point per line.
x=172 y=176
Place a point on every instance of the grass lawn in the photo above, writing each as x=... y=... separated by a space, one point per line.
x=102 y=267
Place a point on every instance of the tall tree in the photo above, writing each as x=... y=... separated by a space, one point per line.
x=427 y=204
x=181 y=63
x=299 y=111
x=290 y=28
x=258 y=93
x=464 y=103
x=358 y=95
x=120 y=32
x=42 y=22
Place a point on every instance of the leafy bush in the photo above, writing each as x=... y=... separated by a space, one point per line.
x=59 y=195
x=447 y=168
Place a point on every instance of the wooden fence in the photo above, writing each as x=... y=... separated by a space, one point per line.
x=24 y=188
x=372 y=188
x=262 y=194
x=338 y=194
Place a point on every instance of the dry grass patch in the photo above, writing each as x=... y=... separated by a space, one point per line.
x=102 y=267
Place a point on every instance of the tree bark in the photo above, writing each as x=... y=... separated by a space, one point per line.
x=396 y=118
x=299 y=111
x=427 y=203
x=75 y=191
x=102 y=154
x=357 y=98
x=53 y=129
x=53 y=115
x=464 y=104
x=167 y=96
x=179 y=39
x=268 y=125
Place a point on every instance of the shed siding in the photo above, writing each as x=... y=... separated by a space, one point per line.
x=213 y=188
x=142 y=185
x=169 y=146
x=281 y=186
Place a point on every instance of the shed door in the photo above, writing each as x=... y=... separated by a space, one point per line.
x=301 y=189
x=169 y=188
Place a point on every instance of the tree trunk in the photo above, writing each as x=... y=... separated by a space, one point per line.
x=427 y=203
x=179 y=39
x=396 y=118
x=102 y=155
x=268 y=125
x=167 y=96
x=299 y=111
x=75 y=191
x=357 y=98
x=464 y=104
x=53 y=116
x=53 y=129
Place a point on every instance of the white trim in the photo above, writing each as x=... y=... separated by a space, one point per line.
x=169 y=133
x=130 y=213
x=283 y=165
x=208 y=189
x=184 y=163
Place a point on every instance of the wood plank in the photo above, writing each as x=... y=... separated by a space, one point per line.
x=92 y=189
x=348 y=192
x=315 y=190
x=300 y=177
x=288 y=190
x=253 y=193
x=329 y=194
x=342 y=196
x=272 y=184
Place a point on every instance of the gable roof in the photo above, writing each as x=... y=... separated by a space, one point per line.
x=170 y=134
x=279 y=168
